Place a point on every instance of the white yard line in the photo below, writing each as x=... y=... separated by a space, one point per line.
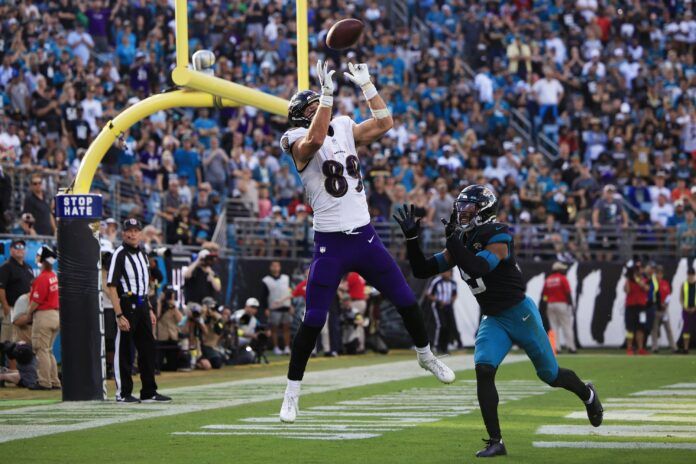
x=650 y=431
x=21 y=423
x=373 y=415
x=614 y=445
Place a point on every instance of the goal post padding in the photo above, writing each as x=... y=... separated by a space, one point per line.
x=81 y=315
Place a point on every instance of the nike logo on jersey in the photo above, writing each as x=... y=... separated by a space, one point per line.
x=371 y=239
x=499 y=227
x=524 y=319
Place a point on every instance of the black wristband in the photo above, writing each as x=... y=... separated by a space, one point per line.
x=120 y=315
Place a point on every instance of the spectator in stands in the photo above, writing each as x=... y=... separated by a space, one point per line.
x=608 y=216
x=27 y=224
x=203 y=214
x=661 y=212
x=277 y=296
x=37 y=205
x=549 y=93
x=686 y=234
x=215 y=166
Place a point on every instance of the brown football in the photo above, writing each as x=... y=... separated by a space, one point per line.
x=344 y=34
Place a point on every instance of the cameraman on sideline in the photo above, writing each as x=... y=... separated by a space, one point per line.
x=168 y=318
x=201 y=280
x=206 y=327
x=25 y=375
x=249 y=331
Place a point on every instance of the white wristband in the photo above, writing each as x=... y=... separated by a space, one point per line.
x=326 y=100
x=369 y=91
x=380 y=114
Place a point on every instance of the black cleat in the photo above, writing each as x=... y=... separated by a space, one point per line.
x=595 y=411
x=130 y=399
x=157 y=398
x=494 y=447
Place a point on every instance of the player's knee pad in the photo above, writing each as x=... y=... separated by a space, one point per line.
x=485 y=372
x=315 y=317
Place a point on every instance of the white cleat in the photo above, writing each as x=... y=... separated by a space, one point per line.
x=443 y=373
x=289 y=409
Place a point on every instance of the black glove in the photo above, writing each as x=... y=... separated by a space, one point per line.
x=408 y=222
x=450 y=226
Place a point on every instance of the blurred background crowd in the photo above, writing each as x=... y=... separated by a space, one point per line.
x=552 y=103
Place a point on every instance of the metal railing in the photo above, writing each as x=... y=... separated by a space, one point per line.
x=532 y=241
x=20 y=177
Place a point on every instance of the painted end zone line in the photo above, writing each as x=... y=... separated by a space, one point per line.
x=613 y=445
x=650 y=431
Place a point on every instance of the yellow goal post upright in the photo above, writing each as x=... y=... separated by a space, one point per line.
x=78 y=212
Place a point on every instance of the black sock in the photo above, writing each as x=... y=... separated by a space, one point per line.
x=488 y=398
x=570 y=381
x=302 y=346
x=413 y=321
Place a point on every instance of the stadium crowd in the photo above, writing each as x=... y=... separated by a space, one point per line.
x=612 y=83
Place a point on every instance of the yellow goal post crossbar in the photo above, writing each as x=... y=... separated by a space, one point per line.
x=198 y=90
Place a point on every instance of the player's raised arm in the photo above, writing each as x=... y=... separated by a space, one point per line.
x=423 y=268
x=476 y=265
x=306 y=147
x=367 y=132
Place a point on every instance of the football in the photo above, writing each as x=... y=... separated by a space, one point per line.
x=344 y=34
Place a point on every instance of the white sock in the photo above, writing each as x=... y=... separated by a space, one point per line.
x=424 y=352
x=293 y=387
x=591 y=397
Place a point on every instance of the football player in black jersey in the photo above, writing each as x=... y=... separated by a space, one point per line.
x=484 y=252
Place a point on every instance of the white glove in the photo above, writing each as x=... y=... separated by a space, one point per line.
x=359 y=74
x=325 y=78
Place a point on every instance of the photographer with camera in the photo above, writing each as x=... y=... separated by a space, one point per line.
x=168 y=320
x=22 y=354
x=353 y=325
x=201 y=279
x=205 y=329
x=250 y=332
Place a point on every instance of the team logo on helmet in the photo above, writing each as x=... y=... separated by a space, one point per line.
x=298 y=104
x=475 y=205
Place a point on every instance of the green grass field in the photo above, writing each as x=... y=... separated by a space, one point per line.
x=231 y=416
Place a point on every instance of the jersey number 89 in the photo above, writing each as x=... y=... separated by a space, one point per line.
x=336 y=184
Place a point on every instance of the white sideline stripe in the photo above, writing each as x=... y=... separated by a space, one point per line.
x=300 y=436
x=299 y=428
x=613 y=445
x=666 y=392
x=224 y=395
x=407 y=422
x=666 y=408
x=661 y=400
x=426 y=407
x=651 y=431
x=682 y=385
x=636 y=416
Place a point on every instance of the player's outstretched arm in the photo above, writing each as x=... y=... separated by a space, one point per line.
x=367 y=132
x=423 y=268
x=306 y=147
x=479 y=264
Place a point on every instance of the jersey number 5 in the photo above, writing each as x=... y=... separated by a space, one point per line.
x=476 y=285
x=336 y=184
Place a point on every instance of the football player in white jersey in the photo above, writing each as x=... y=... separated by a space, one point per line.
x=324 y=151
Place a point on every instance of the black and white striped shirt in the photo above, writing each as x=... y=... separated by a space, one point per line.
x=128 y=271
x=443 y=290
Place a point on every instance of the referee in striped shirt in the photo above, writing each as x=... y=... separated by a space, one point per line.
x=127 y=288
x=442 y=293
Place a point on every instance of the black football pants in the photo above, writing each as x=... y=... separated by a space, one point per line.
x=138 y=314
